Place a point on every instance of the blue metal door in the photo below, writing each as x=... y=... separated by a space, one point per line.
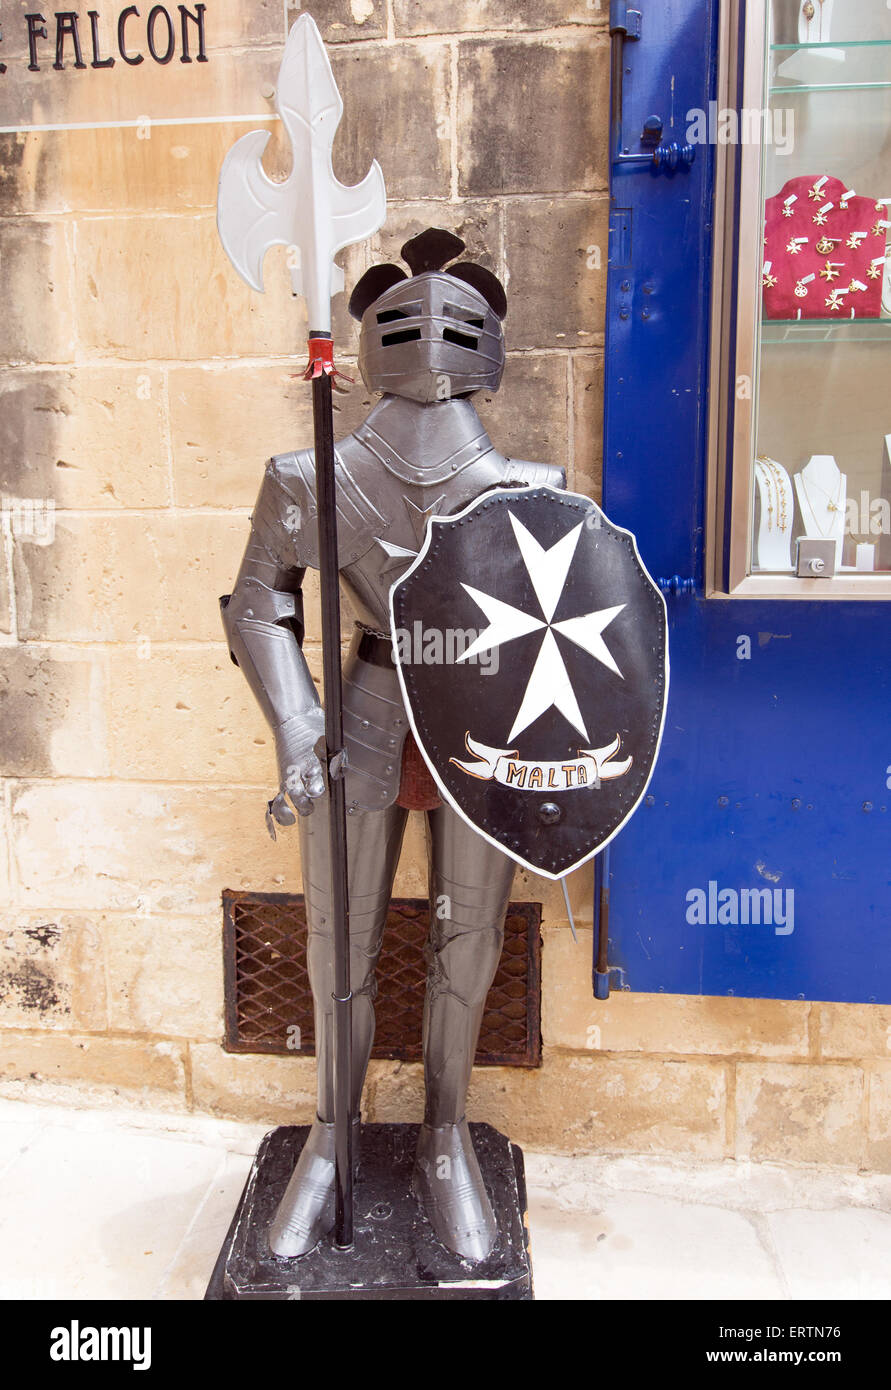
x=760 y=864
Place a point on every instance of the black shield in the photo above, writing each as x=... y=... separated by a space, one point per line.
x=532 y=651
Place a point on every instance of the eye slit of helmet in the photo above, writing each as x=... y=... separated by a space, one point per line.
x=389 y=315
x=453 y=312
x=407 y=335
x=451 y=335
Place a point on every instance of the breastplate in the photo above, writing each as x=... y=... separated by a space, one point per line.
x=417 y=461
x=406 y=463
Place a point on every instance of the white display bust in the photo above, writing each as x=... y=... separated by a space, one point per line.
x=821 y=489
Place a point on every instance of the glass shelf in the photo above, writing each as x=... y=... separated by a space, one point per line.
x=831 y=67
x=777 y=331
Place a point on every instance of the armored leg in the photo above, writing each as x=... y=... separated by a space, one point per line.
x=470 y=885
x=374 y=840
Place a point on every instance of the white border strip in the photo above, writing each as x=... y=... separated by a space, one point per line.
x=139 y=121
x=505 y=493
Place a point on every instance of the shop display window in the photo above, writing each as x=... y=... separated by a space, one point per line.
x=802 y=439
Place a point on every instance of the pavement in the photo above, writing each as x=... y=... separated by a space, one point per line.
x=135 y=1204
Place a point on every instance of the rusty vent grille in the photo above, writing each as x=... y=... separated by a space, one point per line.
x=269 y=1004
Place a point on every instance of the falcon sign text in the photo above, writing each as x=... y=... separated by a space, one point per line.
x=68 y=39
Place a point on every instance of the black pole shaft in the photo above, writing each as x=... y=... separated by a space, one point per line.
x=329 y=583
x=603 y=914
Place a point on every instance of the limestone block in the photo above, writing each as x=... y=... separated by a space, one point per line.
x=131 y=1067
x=227 y=421
x=132 y=847
x=586 y=1104
x=556 y=252
x=587 y=397
x=54 y=713
x=128 y=578
x=134 y=301
x=37 y=324
x=661 y=1023
x=204 y=724
x=341 y=21
x=800 y=1114
x=7 y=615
x=396 y=103
x=277 y=1090
x=466 y=16
x=527 y=417
x=85 y=437
x=854 y=1030
x=532 y=117
x=878 y=1145
x=52 y=972
x=165 y=974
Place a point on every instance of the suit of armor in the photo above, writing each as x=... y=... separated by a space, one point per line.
x=422 y=451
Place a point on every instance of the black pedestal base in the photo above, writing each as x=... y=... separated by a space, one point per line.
x=395 y=1254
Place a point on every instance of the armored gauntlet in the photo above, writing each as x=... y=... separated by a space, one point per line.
x=263 y=619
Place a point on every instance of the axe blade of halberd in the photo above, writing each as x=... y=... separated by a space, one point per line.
x=311 y=210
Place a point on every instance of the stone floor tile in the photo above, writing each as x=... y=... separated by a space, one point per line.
x=98 y=1214
x=643 y=1247
x=844 y=1254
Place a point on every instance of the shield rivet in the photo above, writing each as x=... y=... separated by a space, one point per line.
x=550 y=813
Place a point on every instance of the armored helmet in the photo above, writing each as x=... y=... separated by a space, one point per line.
x=437 y=334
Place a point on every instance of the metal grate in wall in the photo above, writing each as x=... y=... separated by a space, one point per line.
x=268 y=999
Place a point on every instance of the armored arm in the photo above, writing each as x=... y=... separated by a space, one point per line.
x=263 y=621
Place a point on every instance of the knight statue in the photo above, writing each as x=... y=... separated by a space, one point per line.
x=428 y=341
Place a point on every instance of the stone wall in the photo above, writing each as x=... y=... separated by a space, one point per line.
x=143 y=386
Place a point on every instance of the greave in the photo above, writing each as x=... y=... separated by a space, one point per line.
x=306 y=1212
x=469 y=892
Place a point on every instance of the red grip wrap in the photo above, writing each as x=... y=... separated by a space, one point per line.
x=321 y=359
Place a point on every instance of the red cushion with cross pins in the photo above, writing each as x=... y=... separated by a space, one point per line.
x=824 y=250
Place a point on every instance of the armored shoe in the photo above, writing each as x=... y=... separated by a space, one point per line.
x=449 y=1187
x=306 y=1211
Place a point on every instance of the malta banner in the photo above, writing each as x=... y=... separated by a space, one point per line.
x=589 y=769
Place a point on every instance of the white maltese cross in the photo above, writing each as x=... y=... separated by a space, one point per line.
x=549 y=685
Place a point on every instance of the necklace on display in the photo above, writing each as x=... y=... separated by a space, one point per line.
x=831 y=502
x=771 y=549
x=774 y=492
